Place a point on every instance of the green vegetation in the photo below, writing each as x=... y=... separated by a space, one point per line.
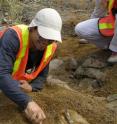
x=12 y=9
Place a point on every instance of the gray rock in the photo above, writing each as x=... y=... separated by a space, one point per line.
x=95 y=73
x=112 y=98
x=71 y=64
x=97 y=84
x=55 y=64
x=79 y=72
x=72 y=117
x=89 y=84
x=112 y=106
x=86 y=83
x=90 y=73
x=53 y=81
x=94 y=63
x=6 y=14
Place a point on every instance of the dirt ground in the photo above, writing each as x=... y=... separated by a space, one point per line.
x=54 y=99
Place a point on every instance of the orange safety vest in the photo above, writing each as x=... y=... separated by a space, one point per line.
x=107 y=24
x=22 y=56
x=2 y=31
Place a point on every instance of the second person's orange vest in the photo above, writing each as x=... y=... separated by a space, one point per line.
x=107 y=24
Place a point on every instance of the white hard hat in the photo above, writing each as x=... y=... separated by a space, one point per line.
x=49 y=24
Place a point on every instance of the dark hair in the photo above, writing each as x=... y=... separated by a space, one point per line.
x=32 y=28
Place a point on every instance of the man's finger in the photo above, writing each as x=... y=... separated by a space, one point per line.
x=40 y=122
x=39 y=118
x=34 y=116
x=23 y=81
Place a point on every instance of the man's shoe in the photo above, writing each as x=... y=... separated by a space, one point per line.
x=113 y=58
x=83 y=41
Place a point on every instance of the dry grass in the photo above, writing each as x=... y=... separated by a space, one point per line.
x=14 y=9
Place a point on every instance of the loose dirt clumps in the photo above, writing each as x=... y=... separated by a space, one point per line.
x=56 y=101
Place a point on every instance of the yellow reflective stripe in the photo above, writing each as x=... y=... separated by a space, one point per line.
x=110 y=5
x=25 y=34
x=16 y=65
x=48 y=52
x=105 y=26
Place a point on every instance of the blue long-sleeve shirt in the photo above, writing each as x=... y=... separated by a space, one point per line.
x=9 y=46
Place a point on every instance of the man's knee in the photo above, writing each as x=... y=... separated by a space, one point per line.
x=78 y=29
x=81 y=29
x=87 y=29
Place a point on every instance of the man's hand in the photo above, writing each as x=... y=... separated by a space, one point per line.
x=25 y=86
x=34 y=113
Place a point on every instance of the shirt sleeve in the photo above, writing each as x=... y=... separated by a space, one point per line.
x=99 y=10
x=9 y=45
x=38 y=83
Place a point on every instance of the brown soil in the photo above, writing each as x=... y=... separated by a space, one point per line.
x=55 y=100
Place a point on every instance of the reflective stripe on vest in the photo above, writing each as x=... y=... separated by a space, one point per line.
x=110 y=5
x=3 y=29
x=48 y=54
x=23 y=44
x=106 y=24
x=22 y=57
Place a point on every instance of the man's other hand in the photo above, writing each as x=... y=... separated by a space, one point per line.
x=25 y=86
